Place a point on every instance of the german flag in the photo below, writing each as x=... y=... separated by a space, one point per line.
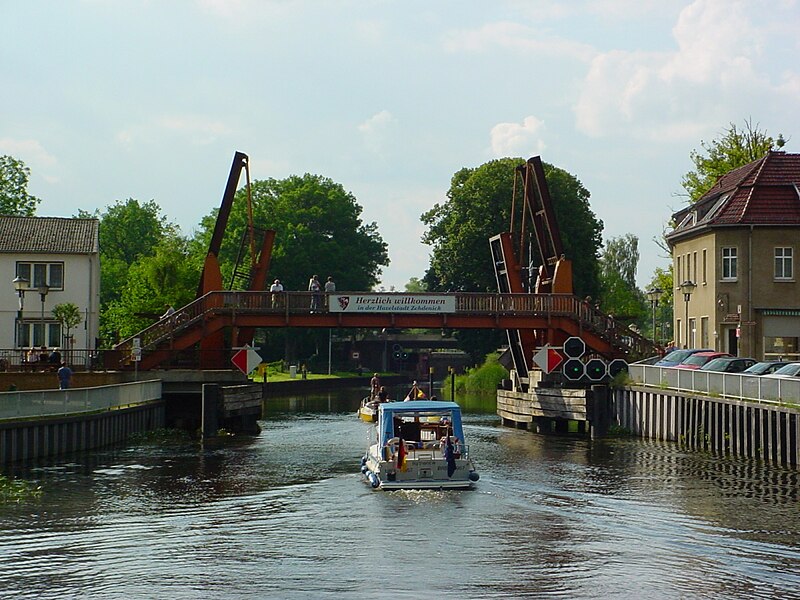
x=401 y=451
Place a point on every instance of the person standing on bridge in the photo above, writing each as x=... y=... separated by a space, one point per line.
x=315 y=288
x=276 y=288
x=330 y=287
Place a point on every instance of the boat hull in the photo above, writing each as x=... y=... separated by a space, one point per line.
x=422 y=472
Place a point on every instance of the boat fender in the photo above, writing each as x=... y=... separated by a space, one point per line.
x=373 y=479
x=473 y=476
x=364 y=469
x=363 y=460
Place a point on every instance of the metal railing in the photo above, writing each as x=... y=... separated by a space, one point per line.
x=467 y=303
x=18 y=359
x=51 y=403
x=727 y=385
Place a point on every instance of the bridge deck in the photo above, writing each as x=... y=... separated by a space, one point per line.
x=557 y=316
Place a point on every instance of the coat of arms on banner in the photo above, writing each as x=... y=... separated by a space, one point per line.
x=343 y=302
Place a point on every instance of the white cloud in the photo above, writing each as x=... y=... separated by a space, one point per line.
x=378 y=131
x=518 y=38
x=711 y=76
x=195 y=130
x=515 y=139
x=33 y=154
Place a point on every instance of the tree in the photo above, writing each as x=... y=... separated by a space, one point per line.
x=416 y=286
x=14 y=197
x=735 y=148
x=131 y=229
x=318 y=231
x=620 y=296
x=478 y=207
x=168 y=277
x=69 y=315
x=662 y=280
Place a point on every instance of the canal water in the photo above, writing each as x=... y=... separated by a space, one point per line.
x=286 y=515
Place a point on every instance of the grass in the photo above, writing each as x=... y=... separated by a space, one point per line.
x=483 y=379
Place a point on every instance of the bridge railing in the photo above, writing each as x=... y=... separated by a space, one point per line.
x=48 y=403
x=292 y=303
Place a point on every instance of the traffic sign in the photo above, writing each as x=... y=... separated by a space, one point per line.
x=596 y=369
x=574 y=347
x=617 y=366
x=573 y=369
x=548 y=359
x=246 y=359
x=136 y=353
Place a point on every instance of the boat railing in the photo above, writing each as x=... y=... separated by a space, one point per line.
x=417 y=450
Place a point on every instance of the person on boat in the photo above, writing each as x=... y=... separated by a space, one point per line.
x=415 y=393
x=383 y=395
x=374 y=385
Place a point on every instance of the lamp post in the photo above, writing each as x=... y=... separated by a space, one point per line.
x=20 y=286
x=43 y=290
x=687 y=287
x=654 y=294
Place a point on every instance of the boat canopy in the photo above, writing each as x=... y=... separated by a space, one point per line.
x=421 y=410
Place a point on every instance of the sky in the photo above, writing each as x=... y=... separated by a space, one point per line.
x=106 y=100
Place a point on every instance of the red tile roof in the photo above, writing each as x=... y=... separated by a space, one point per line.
x=763 y=192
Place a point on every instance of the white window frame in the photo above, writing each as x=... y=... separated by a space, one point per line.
x=32 y=270
x=729 y=266
x=784 y=263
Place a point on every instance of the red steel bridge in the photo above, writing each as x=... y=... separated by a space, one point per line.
x=532 y=310
x=559 y=316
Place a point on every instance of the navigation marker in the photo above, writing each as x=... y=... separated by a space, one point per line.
x=548 y=359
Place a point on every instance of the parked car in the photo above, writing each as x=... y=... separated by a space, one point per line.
x=698 y=359
x=676 y=357
x=787 y=371
x=765 y=367
x=728 y=364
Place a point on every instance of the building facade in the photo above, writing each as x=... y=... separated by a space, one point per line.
x=47 y=261
x=736 y=287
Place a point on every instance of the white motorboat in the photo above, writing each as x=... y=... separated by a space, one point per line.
x=420 y=445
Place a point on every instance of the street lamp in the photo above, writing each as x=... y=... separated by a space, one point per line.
x=687 y=287
x=654 y=294
x=43 y=290
x=20 y=286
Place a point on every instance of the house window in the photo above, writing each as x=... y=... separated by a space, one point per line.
x=35 y=333
x=694 y=266
x=42 y=273
x=705 y=266
x=678 y=269
x=729 y=264
x=704 y=332
x=783 y=263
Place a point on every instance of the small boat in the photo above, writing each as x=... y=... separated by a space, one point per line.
x=368 y=411
x=420 y=445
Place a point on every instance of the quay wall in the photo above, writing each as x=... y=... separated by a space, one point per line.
x=766 y=431
x=38 y=438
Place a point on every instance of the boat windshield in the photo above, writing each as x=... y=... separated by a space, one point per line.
x=419 y=421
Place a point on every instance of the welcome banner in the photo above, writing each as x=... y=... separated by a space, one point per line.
x=407 y=303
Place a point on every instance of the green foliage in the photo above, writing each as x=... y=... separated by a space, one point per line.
x=130 y=229
x=735 y=148
x=620 y=296
x=15 y=490
x=68 y=314
x=484 y=378
x=662 y=279
x=318 y=231
x=479 y=207
x=416 y=285
x=14 y=197
x=167 y=277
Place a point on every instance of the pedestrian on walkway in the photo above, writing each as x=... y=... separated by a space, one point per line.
x=64 y=376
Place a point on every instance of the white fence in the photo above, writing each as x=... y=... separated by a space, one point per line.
x=729 y=385
x=50 y=403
